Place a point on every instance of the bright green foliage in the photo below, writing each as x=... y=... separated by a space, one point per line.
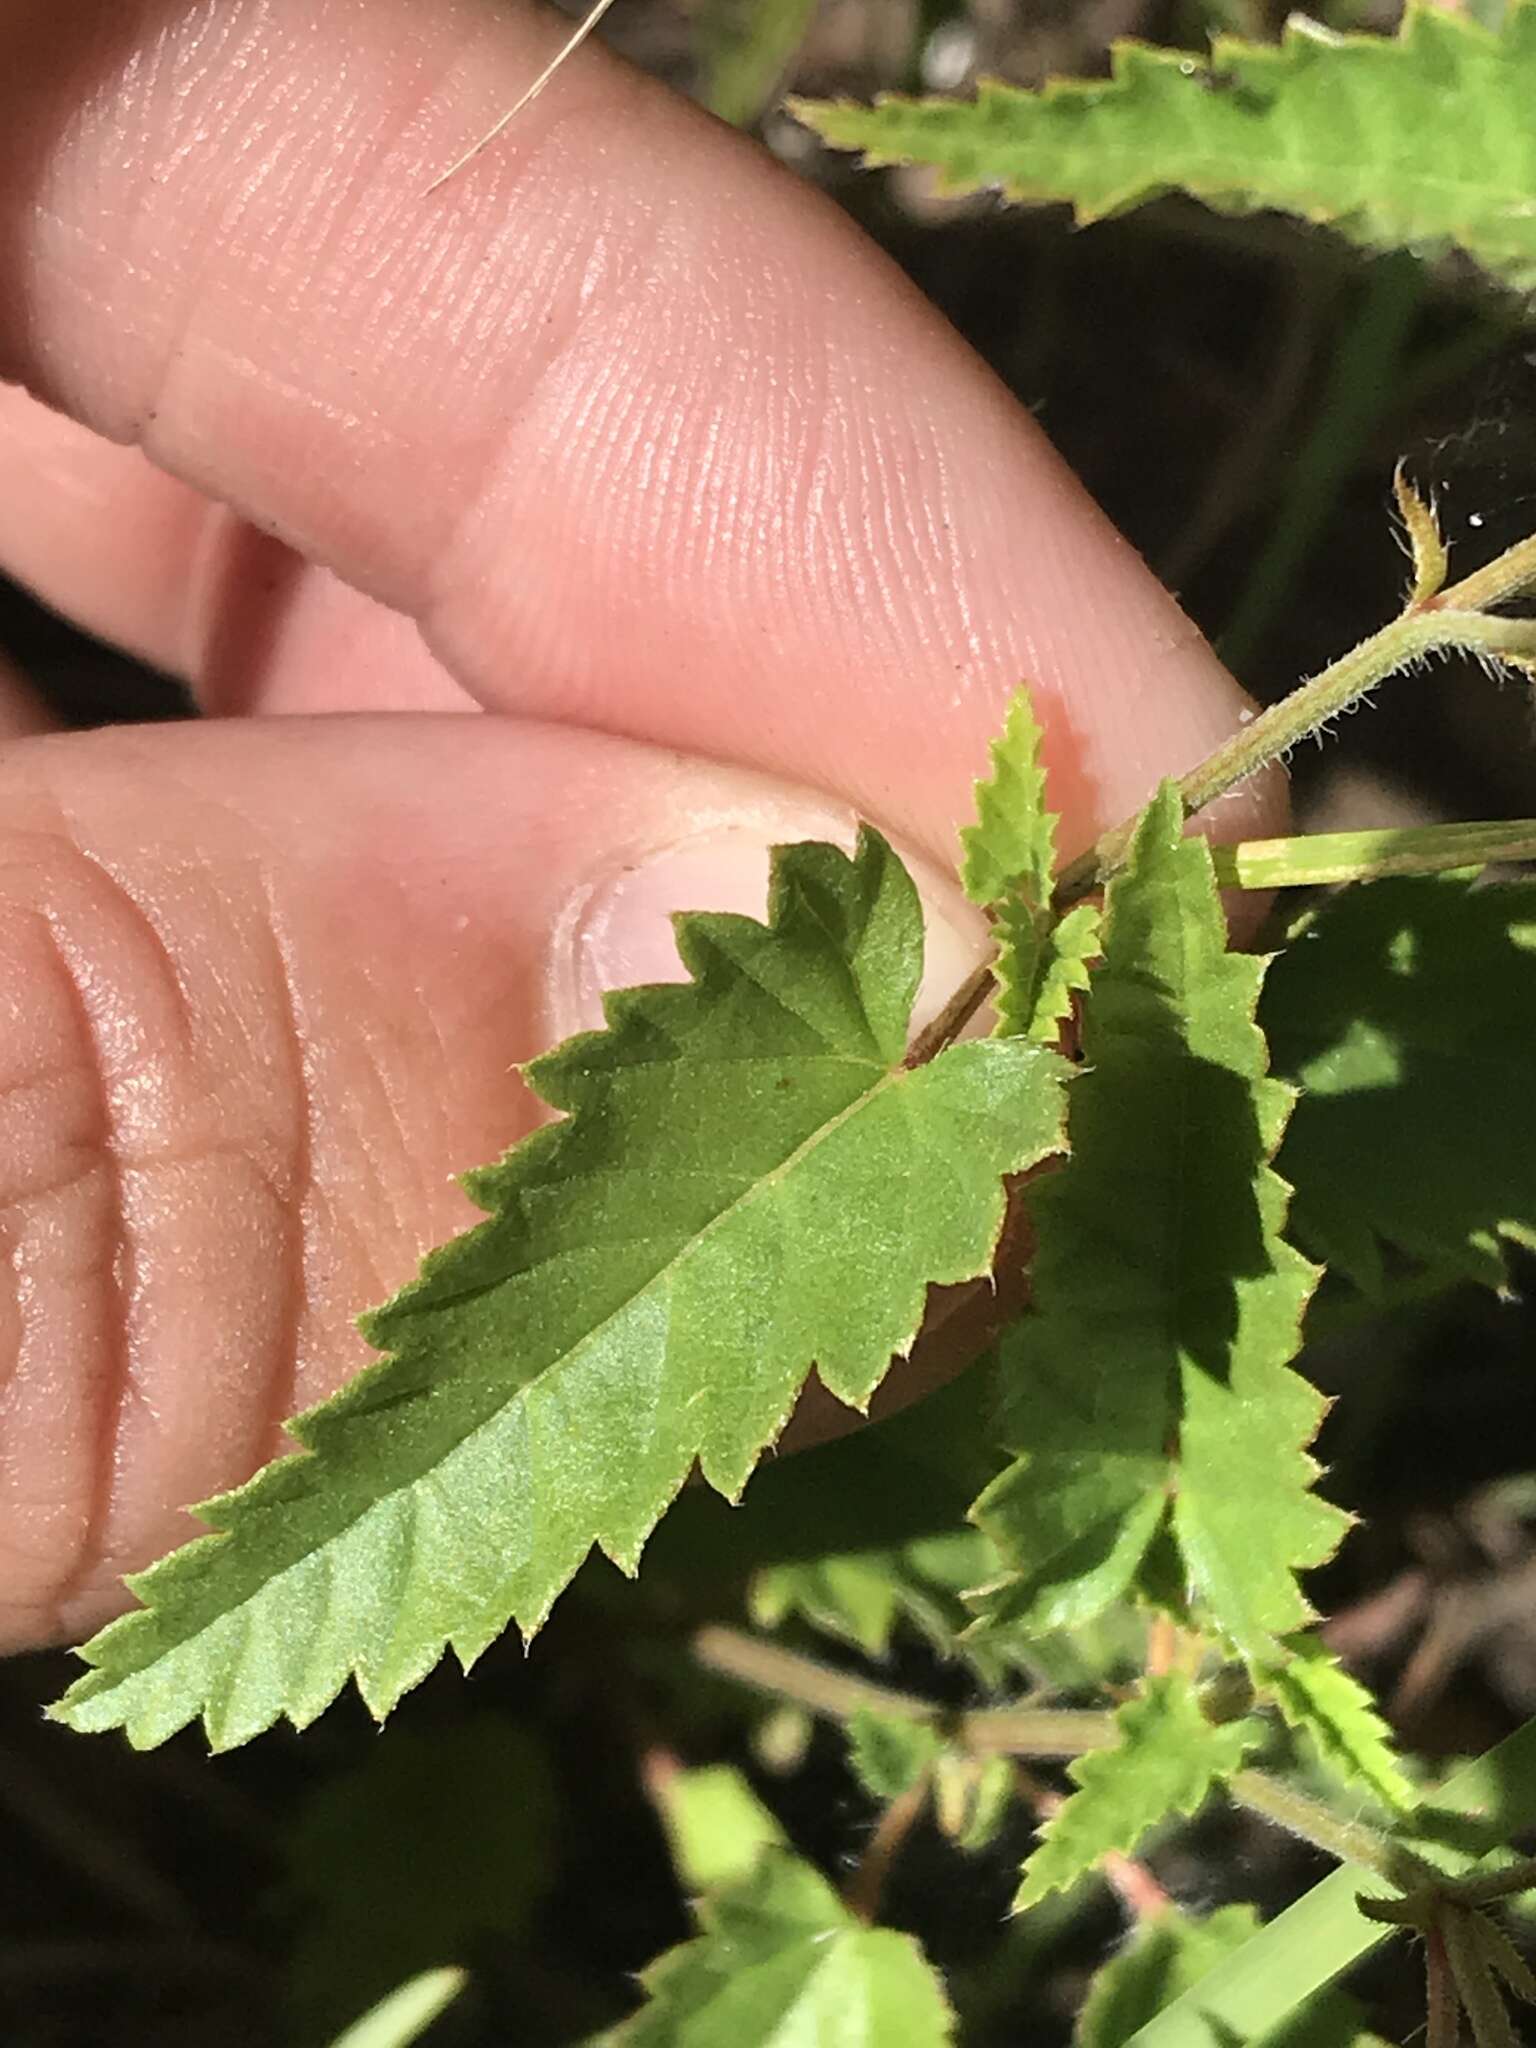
x=717 y=1827
x=1009 y=868
x=748 y=1179
x=889 y=1756
x=1150 y=1389
x=1410 y=142
x=782 y=1963
x=745 y=47
x=1319 y=1698
x=1417 y=1124
x=1011 y=848
x=1166 y=1761
x=405 y=2015
x=442 y=1837
x=1169 y=1955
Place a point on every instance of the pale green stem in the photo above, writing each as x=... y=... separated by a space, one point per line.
x=1315 y=858
x=838 y=1696
x=1348 y=1841
x=1437 y=627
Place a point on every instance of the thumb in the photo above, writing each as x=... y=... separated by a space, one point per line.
x=264 y=989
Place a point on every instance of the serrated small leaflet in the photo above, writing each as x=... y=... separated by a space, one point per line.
x=1008 y=869
x=1149 y=1389
x=1166 y=1761
x=1338 y=1716
x=748 y=1180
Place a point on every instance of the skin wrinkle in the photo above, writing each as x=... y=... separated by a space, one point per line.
x=137 y=1257
x=292 y=1286
x=120 y=1274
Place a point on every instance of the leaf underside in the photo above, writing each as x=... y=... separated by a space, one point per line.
x=1166 y=1761
x=1415 y=141
x=747 y=1180
x=1149 y=1393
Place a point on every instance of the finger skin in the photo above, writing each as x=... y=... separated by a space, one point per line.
x=262 y=992
x=643 y=434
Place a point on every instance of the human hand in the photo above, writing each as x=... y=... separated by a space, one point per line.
x=623 y=437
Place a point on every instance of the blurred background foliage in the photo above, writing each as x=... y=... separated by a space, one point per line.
x=1235 y=393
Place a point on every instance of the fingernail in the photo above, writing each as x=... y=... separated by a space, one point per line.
x=617 y=932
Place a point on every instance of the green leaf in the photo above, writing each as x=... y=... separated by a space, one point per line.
x=861 y=1597
x=1008 y=869
x=1011 y=849
x=1149 y=1389
x=744 y=49
x=1170 y=1955
x=1166 y=1761
x=1248 y=1996
x=1164 y=1958
x=748 y=1179
x=1061 y=972
x=1318 y=1697
x=405 y=2015
x=973 y=1796
x=717 y=1827
x=1406 y=1010
x=1413 y=141
x=888 y=1756
x=441 y=1836
x=782 y=1963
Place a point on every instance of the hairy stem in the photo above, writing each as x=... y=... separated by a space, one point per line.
x=838 y=1695
x=1349 y=1841
x=1438 y=627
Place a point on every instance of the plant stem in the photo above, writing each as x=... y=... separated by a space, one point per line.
x=866 y=1888
x=1347 y=1841
x=1439 y=626
x=838 y=1696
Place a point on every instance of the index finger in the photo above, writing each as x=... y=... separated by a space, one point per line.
x=643 y=434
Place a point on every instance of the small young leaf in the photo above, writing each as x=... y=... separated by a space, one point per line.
x=782 y=1963
x=1009 y=866
x=1406 y=1010
x=1149 y=1389
x=973 y=1796
x=1407 y=142
x=748 y=1180
x=1319 y=1697
x=890 y=1756
x=717 y=1827
x=1011 y=849
x=1166 y=1761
